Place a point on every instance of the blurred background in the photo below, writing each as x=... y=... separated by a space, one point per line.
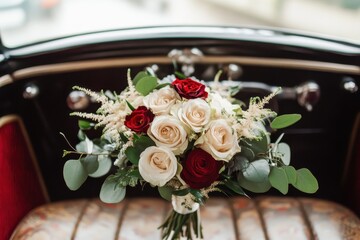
x=27 y=21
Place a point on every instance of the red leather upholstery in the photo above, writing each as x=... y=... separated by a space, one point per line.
x=20 y=185
x=223 y=219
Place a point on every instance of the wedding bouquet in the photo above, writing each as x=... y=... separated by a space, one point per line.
x=186 y=138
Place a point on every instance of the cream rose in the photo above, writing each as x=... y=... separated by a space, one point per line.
x=161 y=101
x=195 y=113
x=167 y=131
x=220 y=104
x=220 y=140
x=157 y=165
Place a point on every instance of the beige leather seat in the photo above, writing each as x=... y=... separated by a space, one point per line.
x=223 y=219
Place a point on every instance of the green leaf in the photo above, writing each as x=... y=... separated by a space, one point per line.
x=130 y=106
x=284 y=149
x=81 y=135
x=197 y=195
x=179 y=169
x=255 y=187
x=140 y=144
x=235 y=187
x=258 y=146
x=247 y=153
x=74 y=174
x=84 y=125
x=123 y=137
x=86 y=146
x=166 y=192
x=291 y=174
x=278 y=179
x=306 y=182
x=180 y=75
x=181 y=192
x=90 y=163
x=143 y=142
x=135 y=173
x=285 y=120
x=133 y=154
x=146 y=85
x=104 y=167
x=257 y=171
x=111 y=193
x=162 y=85
x=139 y=76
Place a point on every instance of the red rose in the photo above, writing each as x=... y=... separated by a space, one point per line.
x=200 y=169
x=139 y=120
x=189 y=88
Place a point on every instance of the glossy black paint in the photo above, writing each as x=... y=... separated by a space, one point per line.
x=158 y=41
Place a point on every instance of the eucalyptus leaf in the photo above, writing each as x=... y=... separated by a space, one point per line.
x=284 y=149
x=85 y=146
x=238 y=163
x=255 y=187
x=257 y=171
x=146 y=84
x=111 y=193
x=74 y=174
x=104 y=167
x=81 y=135
x=291 y=174
x=306 y=182
x=166 y=192
x=109 y=147
x=139 y=76
x=278 y=179
x=258 y=146
x=90 y=163
x=284 y=121
x=248 y=153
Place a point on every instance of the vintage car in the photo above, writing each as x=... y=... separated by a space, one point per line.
x=319 y=78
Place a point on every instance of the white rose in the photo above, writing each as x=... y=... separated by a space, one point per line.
x=161 y=101
x=195 y=113
x=157 y=165
x=219 y=140
x=167 y=131
x=220 y=104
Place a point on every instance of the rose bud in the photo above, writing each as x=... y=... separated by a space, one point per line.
x=139 y=120
x=189 y=88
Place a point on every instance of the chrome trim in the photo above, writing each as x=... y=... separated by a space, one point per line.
x=273 y=36
x=5 y=80
x=128 y=62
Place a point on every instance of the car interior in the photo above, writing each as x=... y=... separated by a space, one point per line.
x=319 y=79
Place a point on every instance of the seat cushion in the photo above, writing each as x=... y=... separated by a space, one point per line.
x=233 y=219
